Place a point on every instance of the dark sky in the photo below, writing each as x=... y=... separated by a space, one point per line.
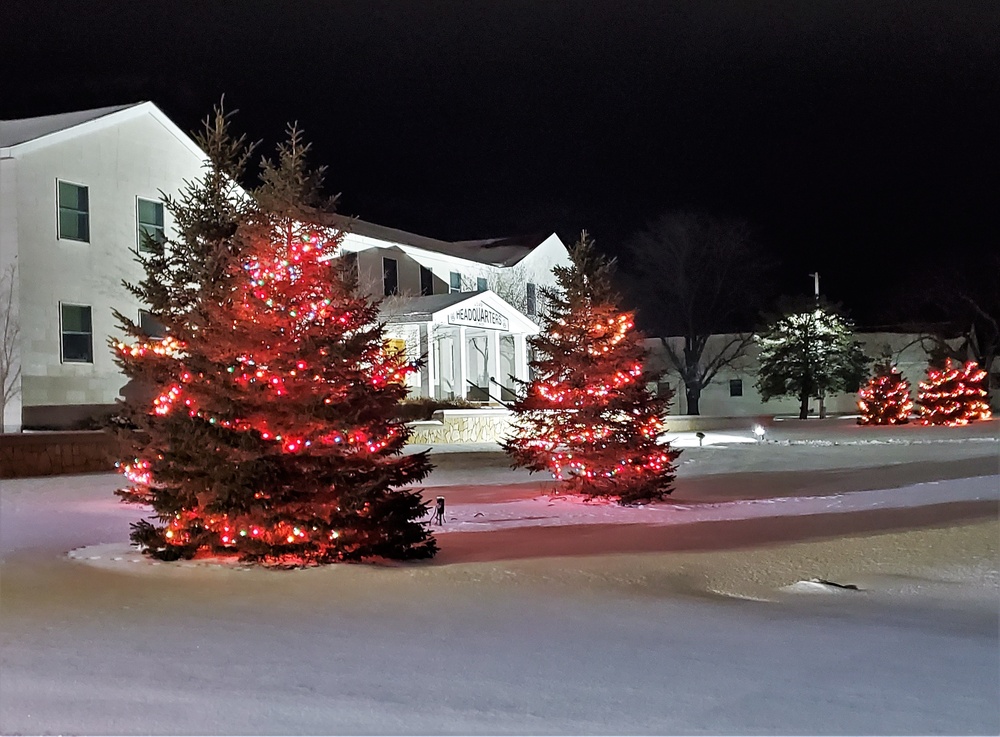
x=842 y=131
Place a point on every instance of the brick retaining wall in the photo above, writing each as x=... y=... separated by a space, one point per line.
x=51 y=453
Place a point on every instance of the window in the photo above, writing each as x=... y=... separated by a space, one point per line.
x=481 y=285
x=74 y=212
x=663 y=389
x=531 y=299
x=390 y=276
x=455 y=283
x=151 y=326
x=736 y=387
x=77 y=334
x=426 y=281
x=149 y=217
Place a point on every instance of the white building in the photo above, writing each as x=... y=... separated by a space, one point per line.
x=76 y=190
x=732 y=392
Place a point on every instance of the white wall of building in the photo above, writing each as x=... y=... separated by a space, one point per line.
x=137 y=156
x=717 y=398
x=11 y=416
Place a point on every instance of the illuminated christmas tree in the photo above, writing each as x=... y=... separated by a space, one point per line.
x=886 y=398
x=267 y=427
x=953 y=395
x=588 y=416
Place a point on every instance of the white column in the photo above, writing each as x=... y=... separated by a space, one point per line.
x=431 y=368
x=521 y=356
x=493 y=364
x=463 y=365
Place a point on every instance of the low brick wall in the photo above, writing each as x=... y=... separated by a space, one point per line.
x=51 y=453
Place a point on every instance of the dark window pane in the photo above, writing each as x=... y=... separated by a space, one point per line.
x=736 y=387
x=150 y=325
x=151 y=213
x=426 y=281
x=455 y=282
x=72 y=196
x=390 y=276
x=531 y=299
x=481 y=285
x=77 y=347
x=75 y=319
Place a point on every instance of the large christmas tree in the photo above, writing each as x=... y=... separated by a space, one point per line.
x=267 y=430
x=807 y=353
x=886 y=398
x=588 y=416
x=953 y=394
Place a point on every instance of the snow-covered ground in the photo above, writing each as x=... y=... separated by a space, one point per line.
x=704 y=614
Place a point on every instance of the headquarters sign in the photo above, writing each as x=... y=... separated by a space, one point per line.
x=479 y=316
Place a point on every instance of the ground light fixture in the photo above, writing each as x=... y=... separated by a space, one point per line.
x=758 y=430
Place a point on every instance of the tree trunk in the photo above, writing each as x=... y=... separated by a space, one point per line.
x=693 y=393
x=803 y=405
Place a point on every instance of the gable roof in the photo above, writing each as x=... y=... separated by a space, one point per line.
x=14 y=132
x=29 y=133
x=491 y=251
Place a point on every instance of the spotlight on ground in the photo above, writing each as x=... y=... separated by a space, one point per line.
x=758 y=430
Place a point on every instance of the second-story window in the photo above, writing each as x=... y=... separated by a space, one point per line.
x=454 y=282
x=736 y=387
x=531 y=299
x=74 y=212
x=426 y=281
x=481 y=285
x=149 y=219
x=151 y=326
x=390 y=277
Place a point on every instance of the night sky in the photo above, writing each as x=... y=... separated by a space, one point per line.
x=841 y=131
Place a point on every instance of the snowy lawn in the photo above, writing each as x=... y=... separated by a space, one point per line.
x=707 y=620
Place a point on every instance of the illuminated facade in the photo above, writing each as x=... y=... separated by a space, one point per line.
x=77 y=190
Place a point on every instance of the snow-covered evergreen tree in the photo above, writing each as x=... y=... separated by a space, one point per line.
x=809 y=353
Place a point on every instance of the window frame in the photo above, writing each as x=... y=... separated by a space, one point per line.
x=482 y=284
x=386 y=260
x=138 y=223
x=736 y=384
x=63 y=333
x=59 y=209
x=452 y=289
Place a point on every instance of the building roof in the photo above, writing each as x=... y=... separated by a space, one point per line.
x=494 y=251
x=14 y=132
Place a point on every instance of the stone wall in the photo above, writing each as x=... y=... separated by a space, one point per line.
x=50 y=453
x=456 y=426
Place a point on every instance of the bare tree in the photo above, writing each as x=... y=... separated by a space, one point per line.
x=10 y=331
x=694 y=276
x=510 y=284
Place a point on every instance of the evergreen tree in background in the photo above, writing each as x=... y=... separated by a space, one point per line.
x=953 y=394
x=808 y=353
x=588 y=416
x=886 y=398
x=269 y=429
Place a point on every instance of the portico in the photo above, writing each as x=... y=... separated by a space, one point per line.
x=473 y=344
